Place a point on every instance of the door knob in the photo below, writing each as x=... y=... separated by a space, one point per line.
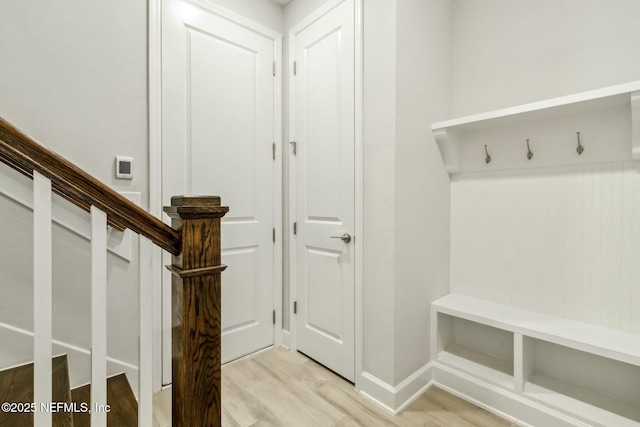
x=345 y=237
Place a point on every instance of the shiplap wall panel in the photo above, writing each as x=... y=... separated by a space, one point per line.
x=563 y=241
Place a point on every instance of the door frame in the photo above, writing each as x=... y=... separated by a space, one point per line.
x=358 y=179
x=162 y=325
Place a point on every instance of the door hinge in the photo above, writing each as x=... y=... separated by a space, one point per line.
x=274 y=68
x=274 y=234
x=295 y=68
x=274 y=150
x=274 y=317
x=295 y=228
x=295 y=307
x=294 y=147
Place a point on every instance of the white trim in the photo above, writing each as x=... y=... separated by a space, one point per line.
x=19 y=189
x=286 y=339
x=162 y=301
x=635 y=125
x=396 y=398
x=293 y=344
x=359 y=190
x=504 y=403
x=278 y=282
x=155 y=175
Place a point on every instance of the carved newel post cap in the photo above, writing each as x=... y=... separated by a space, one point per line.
x=202 y=201
x=196 y=207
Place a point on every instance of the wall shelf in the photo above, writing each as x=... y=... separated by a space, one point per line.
x=602 y=116
x=588 y=372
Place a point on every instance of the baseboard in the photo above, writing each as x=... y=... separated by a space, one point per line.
x=286 y=339
x=395 y=398
x=17 y=349
x=504 y=403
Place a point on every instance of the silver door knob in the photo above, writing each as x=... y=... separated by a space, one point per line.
x=345 y=237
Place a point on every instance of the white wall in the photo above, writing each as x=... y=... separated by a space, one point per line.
x=74 y=76
x=557 y=240
x=422 y=199
x=380 y=45
x=263 y=12
x=512 y=52
x=561 y=240
x=297 y=10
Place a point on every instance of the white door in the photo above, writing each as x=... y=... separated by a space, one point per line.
x=219 y=125
x=323 y=129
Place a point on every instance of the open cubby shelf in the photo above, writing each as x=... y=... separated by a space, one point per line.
x=585 y=371
x=476 y=349
x=587 y=403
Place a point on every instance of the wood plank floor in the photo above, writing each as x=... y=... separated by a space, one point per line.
x=279 y=388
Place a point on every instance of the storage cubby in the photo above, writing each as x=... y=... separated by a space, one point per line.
x=587 y=373
x=599 y=389
x=476 y=349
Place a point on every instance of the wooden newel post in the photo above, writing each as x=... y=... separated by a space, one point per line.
x=196 y=311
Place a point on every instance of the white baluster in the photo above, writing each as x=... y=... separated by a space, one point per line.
x=42 y=300
x=145 y=372
x=98 y=316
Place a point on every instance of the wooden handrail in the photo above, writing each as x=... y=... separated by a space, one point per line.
x=25 y=155
x=194 y=242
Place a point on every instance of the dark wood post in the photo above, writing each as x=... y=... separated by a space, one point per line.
x=196 y=311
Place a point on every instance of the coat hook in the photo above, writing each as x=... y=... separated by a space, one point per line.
x=529 y=152
x=488 y=158
x=580 y=148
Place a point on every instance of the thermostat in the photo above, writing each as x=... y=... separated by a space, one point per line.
x=124 y=167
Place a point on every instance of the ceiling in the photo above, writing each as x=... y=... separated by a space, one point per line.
x=281 y=2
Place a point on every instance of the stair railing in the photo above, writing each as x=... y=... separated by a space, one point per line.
x=194 y=242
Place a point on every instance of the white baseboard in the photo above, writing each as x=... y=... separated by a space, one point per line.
x=395 y=398
x=17 y=349
x=286 y=339
x=504 y=403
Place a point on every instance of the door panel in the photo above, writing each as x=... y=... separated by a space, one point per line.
x=324 y=133
x=218 y=131
x=324 y=281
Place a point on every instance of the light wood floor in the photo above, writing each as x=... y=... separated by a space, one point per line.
x=279 y=388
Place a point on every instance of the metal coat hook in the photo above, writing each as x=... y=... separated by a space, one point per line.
x=488 y=158
x=529 y=152
x=580 y=148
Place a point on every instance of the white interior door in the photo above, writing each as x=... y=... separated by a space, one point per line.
x=323 y=129
x=219 y=125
